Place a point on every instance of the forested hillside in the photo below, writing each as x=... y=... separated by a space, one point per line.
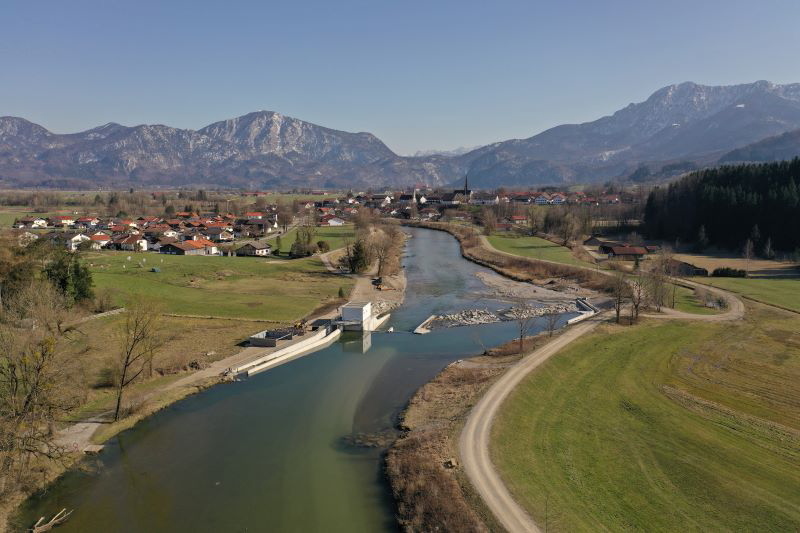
x=730 y=205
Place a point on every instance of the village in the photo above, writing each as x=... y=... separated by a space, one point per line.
x=251 y=231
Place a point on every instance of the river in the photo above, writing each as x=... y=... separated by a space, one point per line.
x=271 y=453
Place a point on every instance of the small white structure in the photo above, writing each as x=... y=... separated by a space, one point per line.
x=360 y=313
x=357 y=316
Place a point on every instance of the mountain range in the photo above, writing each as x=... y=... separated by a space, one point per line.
x=678 y=124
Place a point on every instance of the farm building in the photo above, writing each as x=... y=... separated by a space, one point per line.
x=628 y=253
x=254 y=249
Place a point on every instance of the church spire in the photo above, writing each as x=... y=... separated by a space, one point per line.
x=466 y=185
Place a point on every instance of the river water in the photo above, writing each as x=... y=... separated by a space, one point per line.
x=271 y=453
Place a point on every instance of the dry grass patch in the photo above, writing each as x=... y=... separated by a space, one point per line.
x=422 y=465
x=191 y=344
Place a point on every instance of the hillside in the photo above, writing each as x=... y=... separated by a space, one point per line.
x=780 y=147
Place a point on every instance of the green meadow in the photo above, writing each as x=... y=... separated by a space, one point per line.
x=241 y=287
x=536 y=248
x=667 y=426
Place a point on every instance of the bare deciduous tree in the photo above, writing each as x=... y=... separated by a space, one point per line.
x=620 y=292
x=671 y=271
x=552 y=322
x=638 y=290
x=488 y=221
x=524 y=317
x=140 y=338
x=534 y=220
x=747 y=252
x=383 y=247
x=285 y=216
x=658 y=281
x=568 y=228
x=35 y=378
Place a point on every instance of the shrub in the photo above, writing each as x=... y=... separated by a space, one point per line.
x=107 y=377
x=727 y=272
x=103 y=301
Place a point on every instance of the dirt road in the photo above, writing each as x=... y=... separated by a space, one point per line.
x=474 y=441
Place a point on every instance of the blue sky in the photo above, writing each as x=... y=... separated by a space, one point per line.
x=419 y=74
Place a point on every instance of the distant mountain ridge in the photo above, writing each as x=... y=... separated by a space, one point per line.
x=780 y=147
x=257 y=149
x=264 y=149
x=685 y=121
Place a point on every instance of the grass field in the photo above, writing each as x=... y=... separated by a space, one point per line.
x=666 y=427
x=245 y=287
x=686 y=301
x=756 y=266
x=784 y=292
x=536 y=248
x=335 y=237
x=188 y=339
x=8 y=214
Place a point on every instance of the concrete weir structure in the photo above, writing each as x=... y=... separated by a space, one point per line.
x=359 y=316
x=282 y=345
x=322 y=334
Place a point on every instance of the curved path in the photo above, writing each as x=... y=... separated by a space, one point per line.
x=474 y=441
x=475 y=437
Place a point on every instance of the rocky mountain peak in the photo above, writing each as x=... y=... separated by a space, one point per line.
x=685 y=121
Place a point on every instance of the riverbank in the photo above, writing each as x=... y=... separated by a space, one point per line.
x=541 y=272
x=422 y=466
x=430 y=489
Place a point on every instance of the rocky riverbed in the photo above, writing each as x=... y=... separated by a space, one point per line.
x=470 y=317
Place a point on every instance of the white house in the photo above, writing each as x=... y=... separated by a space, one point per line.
x=132 y=243
x=70 y=240
x=484 y=198
x=62 y=220
x=31 y=222
x=99 y=240
x=541 y=199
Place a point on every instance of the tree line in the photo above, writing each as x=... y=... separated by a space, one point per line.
x=734 y=207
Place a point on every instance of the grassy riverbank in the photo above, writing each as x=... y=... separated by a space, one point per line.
x=517 y=268
x=666 y=426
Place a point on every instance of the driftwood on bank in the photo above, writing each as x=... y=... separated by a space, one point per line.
x=59 y=518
